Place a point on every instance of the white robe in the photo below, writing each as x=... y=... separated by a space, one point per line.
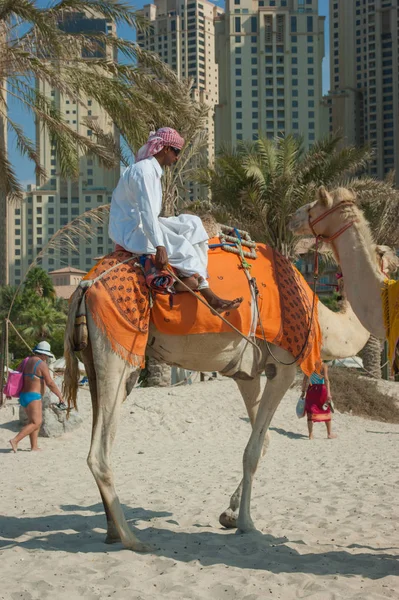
x=135 y=223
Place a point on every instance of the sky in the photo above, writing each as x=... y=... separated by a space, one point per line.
x=24 y=168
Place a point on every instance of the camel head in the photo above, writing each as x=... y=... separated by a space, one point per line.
x=387 y=260
x=324 y=202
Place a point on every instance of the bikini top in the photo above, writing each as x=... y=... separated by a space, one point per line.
x=316 y=379
x=34 y=374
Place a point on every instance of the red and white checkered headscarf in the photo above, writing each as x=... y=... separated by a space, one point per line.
x=166 y=136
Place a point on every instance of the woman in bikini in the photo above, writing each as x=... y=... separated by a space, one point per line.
x=36 y=377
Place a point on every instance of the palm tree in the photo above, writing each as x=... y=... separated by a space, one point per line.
x=43 y=319
x=258 y=185
x=40 y=283
x=36 y=47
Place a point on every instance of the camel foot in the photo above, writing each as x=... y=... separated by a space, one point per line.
x=228 y=519
x=246 y=527
x=112 y=536
x=137 y=546
x=112 y=539
x=13 y=445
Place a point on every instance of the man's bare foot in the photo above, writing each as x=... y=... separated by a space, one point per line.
x=13 y=445
x=37 y=449
x=311 y=437
x=219 y=304
x=332 y=436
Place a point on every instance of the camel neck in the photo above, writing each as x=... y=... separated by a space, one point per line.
x=362 y=279
x=343 y=334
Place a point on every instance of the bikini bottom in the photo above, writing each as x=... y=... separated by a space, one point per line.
x=26 y=398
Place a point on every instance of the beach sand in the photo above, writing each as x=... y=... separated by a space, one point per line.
x=327 y=509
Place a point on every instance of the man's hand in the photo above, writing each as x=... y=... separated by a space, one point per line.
x=161 y=258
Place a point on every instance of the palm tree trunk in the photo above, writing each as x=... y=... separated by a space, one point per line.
x=158 y=374
x=371 y=356
x=3 y=200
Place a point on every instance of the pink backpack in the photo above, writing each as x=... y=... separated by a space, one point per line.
x=15 y=382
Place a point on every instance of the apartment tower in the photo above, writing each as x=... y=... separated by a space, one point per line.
x=364 y=78
x=54 y=201
x=182 y=33
x=270 y=56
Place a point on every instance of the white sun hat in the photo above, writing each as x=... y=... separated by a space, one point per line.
x=43 y=348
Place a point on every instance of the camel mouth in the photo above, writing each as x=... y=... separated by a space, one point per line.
x=294 y=224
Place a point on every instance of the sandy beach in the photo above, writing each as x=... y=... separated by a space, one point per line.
x=327 y=510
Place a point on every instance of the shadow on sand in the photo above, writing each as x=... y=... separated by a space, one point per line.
x=209 y=547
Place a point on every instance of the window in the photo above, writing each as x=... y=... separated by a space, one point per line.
x=293 y=24
x=309 y=24
x=237 y=24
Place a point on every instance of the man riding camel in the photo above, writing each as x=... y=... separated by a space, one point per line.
x=136 y=226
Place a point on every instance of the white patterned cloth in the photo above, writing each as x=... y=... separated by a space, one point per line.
x=135 y=223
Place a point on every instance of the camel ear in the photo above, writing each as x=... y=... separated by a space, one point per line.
x=324 y=196
x=354 y=195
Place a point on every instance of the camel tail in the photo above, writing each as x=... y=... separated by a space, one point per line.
x=71 y=377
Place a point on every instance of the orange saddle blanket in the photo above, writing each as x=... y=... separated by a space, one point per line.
x=119 y=304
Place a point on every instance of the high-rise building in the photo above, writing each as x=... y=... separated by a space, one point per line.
x=364 y=77
x=270 y=56
x=182 y=33
x=54 y=201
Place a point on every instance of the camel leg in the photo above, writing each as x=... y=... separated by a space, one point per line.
x=251 y=391
x=112 y=376
x=279 y=380
x=87 y=356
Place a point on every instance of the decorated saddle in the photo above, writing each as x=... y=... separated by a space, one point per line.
x=119 y=303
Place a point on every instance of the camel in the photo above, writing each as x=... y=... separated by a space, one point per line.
x=335 y=217
x=111 y=380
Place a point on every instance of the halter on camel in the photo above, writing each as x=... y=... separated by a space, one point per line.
x=321 y=238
